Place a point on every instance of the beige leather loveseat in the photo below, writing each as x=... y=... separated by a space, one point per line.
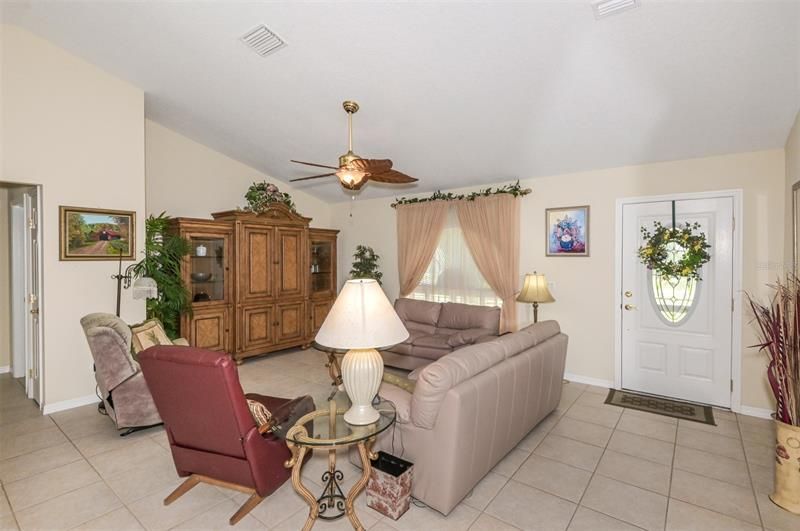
x=473 y=406
x=436 y=329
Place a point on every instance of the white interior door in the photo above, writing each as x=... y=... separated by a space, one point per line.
x=677 y=337
x=33 y=332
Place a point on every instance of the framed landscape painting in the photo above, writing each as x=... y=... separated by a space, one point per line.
x=96 y=234
x=567 y=231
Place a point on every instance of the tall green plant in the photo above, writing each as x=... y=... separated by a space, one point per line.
x=163 y=254
x=365 y=264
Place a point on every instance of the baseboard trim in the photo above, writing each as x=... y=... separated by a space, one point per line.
x=63 y=405
x=759 y=412
x=5 y=368
x=588 y=380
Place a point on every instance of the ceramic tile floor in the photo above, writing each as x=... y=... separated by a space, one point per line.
x=588 y=466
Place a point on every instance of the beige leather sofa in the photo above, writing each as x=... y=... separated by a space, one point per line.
x=437 y=329
x=473 y=406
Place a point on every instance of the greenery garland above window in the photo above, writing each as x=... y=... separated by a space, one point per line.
x=260 y=195
x=675 y=252
x=514 y=189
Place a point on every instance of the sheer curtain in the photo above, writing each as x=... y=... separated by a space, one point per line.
x=452 y=275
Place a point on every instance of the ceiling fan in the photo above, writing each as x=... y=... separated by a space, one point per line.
x=353 y=171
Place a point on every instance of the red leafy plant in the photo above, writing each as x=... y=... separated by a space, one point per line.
x=779 y=334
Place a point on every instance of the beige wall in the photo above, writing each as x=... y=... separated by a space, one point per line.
x=186 y=178
x=5 y=283
x=792 y=151
x=78 y=132
x=584 y=287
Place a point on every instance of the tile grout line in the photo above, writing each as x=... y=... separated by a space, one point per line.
x=579 y=504
x=13 y=513
x=510 y=478
x=671 y=472
x=750 y=475
x=102 y=480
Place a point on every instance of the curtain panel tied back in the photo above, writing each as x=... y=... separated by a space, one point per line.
x=419 y=227
x=491 y=230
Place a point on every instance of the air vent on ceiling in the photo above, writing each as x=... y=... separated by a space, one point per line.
x=606 y=8
x=263 y=41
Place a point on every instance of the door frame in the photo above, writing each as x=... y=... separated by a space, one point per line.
x=736 y=315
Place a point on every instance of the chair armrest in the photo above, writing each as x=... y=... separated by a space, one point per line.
x=284 y=412
x=180 y=342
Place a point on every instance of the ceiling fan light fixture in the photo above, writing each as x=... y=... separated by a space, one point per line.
x=351 y=178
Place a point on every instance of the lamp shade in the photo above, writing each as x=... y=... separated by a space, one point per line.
x=145 y=288
x=362 y=317
x=535 y=289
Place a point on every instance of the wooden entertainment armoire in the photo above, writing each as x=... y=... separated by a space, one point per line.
x=258 y=282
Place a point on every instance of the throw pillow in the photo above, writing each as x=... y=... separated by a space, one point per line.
x=399 y=381
x=261 y=415
x=148 y=334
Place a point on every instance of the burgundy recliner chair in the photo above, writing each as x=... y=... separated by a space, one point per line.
x=212 y=434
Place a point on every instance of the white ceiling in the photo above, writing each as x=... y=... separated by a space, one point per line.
x=454 y=93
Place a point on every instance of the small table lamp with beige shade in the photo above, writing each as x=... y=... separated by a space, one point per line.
x=535 y=291
x=362 y=319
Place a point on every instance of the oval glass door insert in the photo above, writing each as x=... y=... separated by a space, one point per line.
x=673 y=296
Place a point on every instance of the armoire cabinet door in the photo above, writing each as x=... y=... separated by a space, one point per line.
x=256 y=262
x=290 y=319
x=209 y=329
x=319 y=311
x=289 y=261
x=257 y=326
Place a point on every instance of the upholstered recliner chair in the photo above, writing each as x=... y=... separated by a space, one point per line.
x=124 y=392
x=211 y=430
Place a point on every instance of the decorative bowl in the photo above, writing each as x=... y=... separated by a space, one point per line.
x=200 y=277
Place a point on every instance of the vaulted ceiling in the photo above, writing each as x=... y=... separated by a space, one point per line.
x=454 y=93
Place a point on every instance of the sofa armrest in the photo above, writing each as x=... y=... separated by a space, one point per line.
x=401 y=400
x=180 y=341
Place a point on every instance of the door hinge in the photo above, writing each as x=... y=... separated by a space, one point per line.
x=731 y=386
x=32 y=219
x=733 y=304
x=734 y=223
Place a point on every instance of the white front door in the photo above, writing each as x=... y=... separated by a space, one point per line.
x=677 y=337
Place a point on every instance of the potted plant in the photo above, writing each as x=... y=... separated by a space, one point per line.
x=163 y=254
x=779 y=333
x=365 y=264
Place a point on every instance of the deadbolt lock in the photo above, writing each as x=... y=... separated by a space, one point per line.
x=629 y=294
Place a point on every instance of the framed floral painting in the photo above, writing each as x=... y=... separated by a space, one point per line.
x=567 y=231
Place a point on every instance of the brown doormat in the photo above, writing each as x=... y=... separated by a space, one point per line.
x=661 y=406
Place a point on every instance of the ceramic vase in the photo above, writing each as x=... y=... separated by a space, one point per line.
x=786 y=493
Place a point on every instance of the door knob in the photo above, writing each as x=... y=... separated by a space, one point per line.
x=630 y=307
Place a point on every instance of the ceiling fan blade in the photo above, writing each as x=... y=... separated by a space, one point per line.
x=311 y=177
x=371 y=166
x=314 y=164
x=393 y=177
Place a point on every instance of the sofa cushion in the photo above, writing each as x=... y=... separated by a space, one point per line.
x=464 y=316
x=432 y=341
x=421 y=312
x=438 y=378
x=468 y=337
x=413 y=335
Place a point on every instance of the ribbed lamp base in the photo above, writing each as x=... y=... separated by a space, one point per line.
x=362 y=372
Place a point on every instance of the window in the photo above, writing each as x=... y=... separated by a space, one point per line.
x=452 y=275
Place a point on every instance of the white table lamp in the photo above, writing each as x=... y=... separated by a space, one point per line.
x=362 y=319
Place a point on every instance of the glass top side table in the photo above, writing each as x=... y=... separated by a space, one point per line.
x=331 y=432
